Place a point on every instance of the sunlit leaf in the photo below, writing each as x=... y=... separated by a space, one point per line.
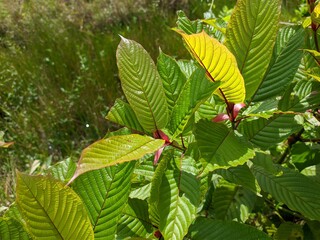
x=115 y=150
x=63 y=170
x=51 y=209
x=122 y=114
x=196 y=90
x=188 y=26
x=142 y=85
x=219 y=64
x=251 y=34
x=11 y=229
x=172 y=78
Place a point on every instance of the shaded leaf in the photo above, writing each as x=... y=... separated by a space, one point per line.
x=284 y=64
x=289 y=230
x=206 y=229
x=232 y=202
x=265 y=133
x=52 y=210
x=188 y=26
x=105 y=193
x=115 y=150
x=142 y=85
x=250 y=36
x=291 y=188
x=221 y=147
x=219 y=64
x=135 y=220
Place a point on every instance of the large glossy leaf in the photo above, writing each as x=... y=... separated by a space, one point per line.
x=115 y=150
x=219 y=64
x=221 y=147
x=206 y=229
x=172 y=78
x=11 y=229
x=51 y=209
x=312 y=172
x=194 y=93
x=135 y=221
x=105 y=193
x=292 y=188
x=286 y=59
x=232 y=202
x=123 y=114
x=142 y=85
x=251 y=34
x=179 y=197
x=265 y=133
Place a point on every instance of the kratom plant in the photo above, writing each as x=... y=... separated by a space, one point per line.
x=224 y=146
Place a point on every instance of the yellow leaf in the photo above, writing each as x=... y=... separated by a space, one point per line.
x=316 y=14
x=219 y=63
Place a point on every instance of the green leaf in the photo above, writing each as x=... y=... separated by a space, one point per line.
x=172 y=78
x=52 y=210
x=290 y=187
x=224 y=230
x=11 y=229
x=240 y=175
x=135 y=221
x=284 y=64
x=232 y=202
x=221 y=147
x=250 y=36
x=187 y=67
x=188 y=26
x=194 y=93
x=115 y=150
x=289 y=230
x=265 y=133
x=123 y=114
x=312 y=172
x=219 y=63
x=179 y=197
x=142 y=85
x=105 y=193
x=301 y=96
x=63 y=170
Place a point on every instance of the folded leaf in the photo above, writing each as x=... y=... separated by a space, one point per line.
x=219 y=64
x=115 y=150
x=52 y=210
x=142 y=85
x=251 y=34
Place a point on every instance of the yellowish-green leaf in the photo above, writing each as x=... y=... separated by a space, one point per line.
x=307 y=22
x=315 y=16
x=115 y=150
x=219 y=63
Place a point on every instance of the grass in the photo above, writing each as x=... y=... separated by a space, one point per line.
x=58 y=74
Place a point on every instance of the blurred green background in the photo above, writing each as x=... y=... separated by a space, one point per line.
x=58 y=73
